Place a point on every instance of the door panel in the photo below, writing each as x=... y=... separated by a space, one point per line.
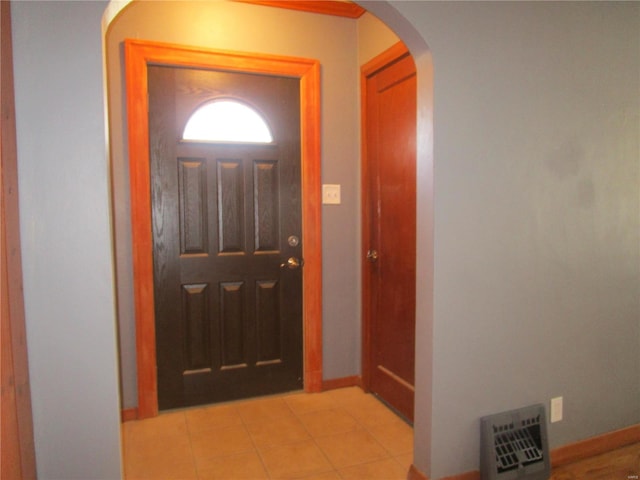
x=228 y=317
x=390 y=184
x=192 y=191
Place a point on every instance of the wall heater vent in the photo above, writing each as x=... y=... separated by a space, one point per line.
x=514 y=445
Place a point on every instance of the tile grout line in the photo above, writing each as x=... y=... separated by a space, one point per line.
x=334 y=469
x=193 y=456
x=255 y=446
x=359 y=426
x=391 y=454
x=370 y=428
x=228 y=455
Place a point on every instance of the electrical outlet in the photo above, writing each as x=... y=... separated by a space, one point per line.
x=331 y=194
x=556 y=409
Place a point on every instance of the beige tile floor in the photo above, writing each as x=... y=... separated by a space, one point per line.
x=340 y=434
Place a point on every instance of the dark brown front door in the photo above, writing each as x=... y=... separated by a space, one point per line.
x=390 y=228
x=225 y=217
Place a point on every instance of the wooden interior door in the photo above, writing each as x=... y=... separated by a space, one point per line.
x=226 y=218
x=389 y=230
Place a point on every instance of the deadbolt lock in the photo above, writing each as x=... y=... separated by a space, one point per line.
x=293 y=241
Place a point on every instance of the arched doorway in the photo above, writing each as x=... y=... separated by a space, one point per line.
x=419 y=49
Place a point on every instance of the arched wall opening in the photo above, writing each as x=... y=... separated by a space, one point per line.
x=340 y=366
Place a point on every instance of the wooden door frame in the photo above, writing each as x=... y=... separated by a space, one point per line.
x=390 y=55
x=18 y=457
x=138 y=55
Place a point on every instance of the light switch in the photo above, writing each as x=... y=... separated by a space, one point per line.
x=331 y=194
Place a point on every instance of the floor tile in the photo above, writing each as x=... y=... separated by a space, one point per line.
x=200 y=419
x=176 y=447
x=351 y=448
x=347 y=395
x=157 y=429
x=263 y=409
x=396 y=436
x=295 y=461
x=271 y=438
x=159 y=460
x=246 y=466
x=333 y=475
x=142 y=446
x=405 y=461
x=370 y=412
x=220 y=442
x=280 y=431
x=386 y=469
x=328 y=422
x=184 y=470
x=309 y=402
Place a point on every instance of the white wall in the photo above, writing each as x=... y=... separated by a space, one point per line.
x=66 y=238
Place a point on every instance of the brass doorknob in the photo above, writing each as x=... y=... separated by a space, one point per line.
x=292 y=263
x=372 y=256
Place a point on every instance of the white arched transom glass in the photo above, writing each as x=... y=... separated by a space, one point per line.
x=227 y=121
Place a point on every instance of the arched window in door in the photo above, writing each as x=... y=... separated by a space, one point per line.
x=227 y=120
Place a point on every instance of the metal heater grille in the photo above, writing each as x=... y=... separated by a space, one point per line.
x=514 y=445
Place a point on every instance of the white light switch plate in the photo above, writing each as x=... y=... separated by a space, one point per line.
x=331 y=194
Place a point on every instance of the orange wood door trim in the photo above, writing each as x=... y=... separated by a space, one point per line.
x=128 y=415
x=327 y=7
x=394 y=53
x=139 y=54
x=17 y=459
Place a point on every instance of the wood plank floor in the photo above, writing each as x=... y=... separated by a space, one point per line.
x=620 y=464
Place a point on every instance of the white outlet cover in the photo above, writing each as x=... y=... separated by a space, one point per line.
x=556 y=410
x=331 y=194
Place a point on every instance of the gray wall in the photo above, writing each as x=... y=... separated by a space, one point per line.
x=537 y=259
x=537 y=265
x=66 y=238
